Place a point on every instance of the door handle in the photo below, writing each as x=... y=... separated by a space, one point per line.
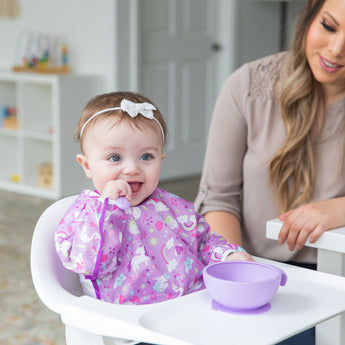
x=216 y=47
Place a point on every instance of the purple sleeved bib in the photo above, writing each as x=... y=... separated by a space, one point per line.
x=144 y=254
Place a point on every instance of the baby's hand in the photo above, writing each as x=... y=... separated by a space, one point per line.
x=239 y=256
x=116 y=188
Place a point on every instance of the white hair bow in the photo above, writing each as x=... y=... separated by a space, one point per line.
x=133 y=109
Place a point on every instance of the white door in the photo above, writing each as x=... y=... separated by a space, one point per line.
x=176 y=68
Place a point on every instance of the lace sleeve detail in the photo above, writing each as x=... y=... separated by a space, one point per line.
x=266 y=76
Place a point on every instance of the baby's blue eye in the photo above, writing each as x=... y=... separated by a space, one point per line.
x=115 y=158
x=146 y=157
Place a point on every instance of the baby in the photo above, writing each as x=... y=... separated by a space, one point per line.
x=130 y=241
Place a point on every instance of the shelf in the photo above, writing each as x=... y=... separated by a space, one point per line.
x=7 y=93
x=9 y=149
x=40 y=154
x=38 y=135
x=8 y=132
x=35 y=153
x=29 y=190
x=37 y=115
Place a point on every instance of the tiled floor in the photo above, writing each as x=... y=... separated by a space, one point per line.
x=24 y=320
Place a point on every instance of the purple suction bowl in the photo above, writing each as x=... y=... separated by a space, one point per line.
x=243 y=285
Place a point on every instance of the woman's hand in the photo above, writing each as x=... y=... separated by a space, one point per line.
x=312 y=220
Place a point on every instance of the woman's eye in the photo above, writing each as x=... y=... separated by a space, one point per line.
x=146 y=157
x=327 y=27
x=115 y=158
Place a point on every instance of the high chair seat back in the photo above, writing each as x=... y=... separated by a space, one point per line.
x=54 y=284
x=88 y=321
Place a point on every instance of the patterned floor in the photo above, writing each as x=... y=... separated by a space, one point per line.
x=24 y=320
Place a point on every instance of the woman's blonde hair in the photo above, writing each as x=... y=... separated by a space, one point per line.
x=112 y=100
x=292 y=168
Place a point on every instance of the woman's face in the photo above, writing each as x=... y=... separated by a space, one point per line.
x=325 y=49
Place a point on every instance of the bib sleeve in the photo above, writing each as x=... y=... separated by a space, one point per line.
x=89 y=236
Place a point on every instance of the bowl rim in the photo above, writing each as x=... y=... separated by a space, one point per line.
x=273 y=268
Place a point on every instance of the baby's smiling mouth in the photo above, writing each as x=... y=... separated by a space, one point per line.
x=135 y=186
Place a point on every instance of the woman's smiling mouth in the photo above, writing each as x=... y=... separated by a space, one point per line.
x=329 y=66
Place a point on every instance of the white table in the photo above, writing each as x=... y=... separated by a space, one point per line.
x=330 y=259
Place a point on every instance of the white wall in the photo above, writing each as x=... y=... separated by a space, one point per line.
x=88 y=25
x=259 y=29
x=260 y=25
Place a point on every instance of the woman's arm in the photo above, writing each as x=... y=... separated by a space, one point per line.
x=226 y=225
x=311 y=219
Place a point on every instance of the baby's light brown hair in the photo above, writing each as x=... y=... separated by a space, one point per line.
x=113 y=100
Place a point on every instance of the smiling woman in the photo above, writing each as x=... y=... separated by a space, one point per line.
x=277 y=141
x=284 y=130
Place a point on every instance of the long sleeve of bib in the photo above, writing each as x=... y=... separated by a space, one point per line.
x=89 y=236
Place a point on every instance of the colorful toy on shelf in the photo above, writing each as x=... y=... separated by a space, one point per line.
x=9 y=117
x=41 y=53
x=64 y=54
x=15 y=178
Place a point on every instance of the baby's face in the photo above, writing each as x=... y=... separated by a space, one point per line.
x=120 y=152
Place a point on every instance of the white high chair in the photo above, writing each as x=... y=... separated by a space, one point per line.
x=308 y=298
x=87 y=320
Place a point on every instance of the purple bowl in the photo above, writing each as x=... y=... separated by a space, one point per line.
x=243 y=285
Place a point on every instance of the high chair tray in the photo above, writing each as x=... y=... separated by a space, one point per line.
x=308 y=298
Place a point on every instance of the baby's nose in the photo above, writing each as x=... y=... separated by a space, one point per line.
x=132 y=167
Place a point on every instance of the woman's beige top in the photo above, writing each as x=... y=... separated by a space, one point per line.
x=245 y=132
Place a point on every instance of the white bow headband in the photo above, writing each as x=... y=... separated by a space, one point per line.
x=132 y=109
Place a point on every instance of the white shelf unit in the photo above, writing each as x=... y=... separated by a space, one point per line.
x=48 y=110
